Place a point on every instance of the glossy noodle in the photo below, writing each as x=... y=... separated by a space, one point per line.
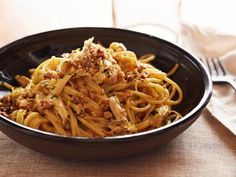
x=94 y=92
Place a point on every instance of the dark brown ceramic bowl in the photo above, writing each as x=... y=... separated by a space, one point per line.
x=19 y=56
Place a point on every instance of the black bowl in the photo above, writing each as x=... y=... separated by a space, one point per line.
x=19 y=56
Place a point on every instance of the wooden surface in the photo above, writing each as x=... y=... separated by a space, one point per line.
x=205 y=149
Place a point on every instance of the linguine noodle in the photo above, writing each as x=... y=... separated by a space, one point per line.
x=94 y=92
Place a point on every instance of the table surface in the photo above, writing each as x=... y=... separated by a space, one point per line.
x=207 y=148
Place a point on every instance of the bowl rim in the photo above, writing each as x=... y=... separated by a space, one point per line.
x=47 y=135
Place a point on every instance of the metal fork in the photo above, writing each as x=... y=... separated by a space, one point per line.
x=218 y=72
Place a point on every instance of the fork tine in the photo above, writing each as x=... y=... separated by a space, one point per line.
x=207 y=64
x=218 y=72
x=215 y=65
x=217 y=60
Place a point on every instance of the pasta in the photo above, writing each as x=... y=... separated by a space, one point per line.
x=94 y=92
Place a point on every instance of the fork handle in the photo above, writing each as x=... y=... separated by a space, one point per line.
x=232 y=83
x=229 y=81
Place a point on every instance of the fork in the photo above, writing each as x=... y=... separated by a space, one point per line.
x=218 y=73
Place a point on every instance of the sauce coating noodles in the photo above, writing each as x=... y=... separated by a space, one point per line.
x=94 y=92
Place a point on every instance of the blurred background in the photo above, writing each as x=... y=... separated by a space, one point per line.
x=19 y=18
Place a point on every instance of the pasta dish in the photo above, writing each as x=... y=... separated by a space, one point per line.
x=94 y=92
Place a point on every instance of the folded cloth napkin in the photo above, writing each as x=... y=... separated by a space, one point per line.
x=209 y=43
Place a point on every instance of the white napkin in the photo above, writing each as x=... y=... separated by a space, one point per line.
x=208 y=43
